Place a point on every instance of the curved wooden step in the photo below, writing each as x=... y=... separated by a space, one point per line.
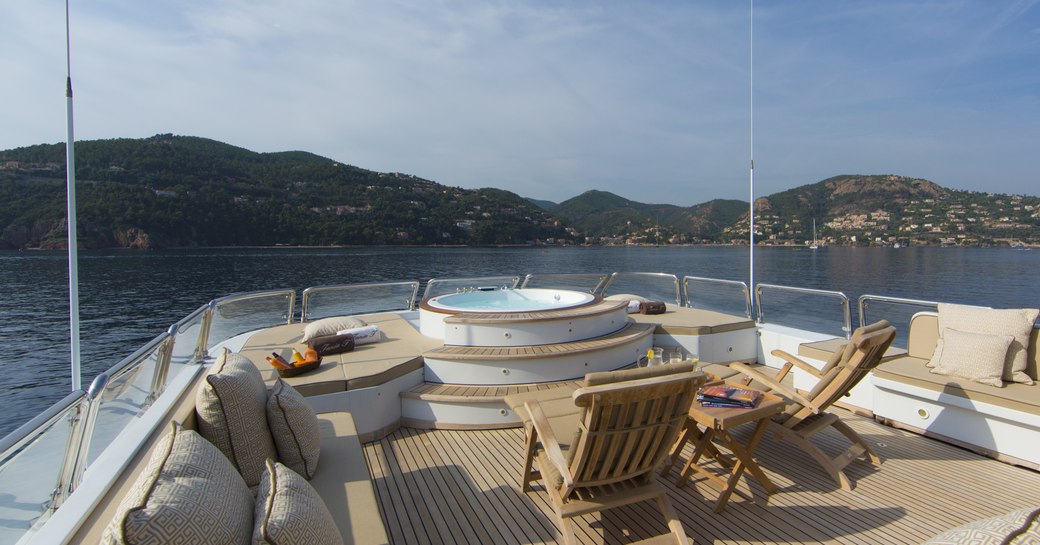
x=628 y=334
x=464 y=406
x=469 y=393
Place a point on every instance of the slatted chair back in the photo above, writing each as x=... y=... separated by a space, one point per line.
x=861 y=355
x=628 y=427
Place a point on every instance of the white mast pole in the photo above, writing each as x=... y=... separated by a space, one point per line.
x=70 y=179
x=751 y=207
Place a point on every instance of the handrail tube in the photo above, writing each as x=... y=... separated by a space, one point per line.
x=93 y=405
x=863 y=299
x=846 y=311
x=603 y=277
x=432 y=281
x=63 y=483
x=200 y=352
x=318 y=289
x=25 y=433
x=737 y=283
x=675 y=280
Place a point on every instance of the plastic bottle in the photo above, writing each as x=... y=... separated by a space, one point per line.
x=277 y=364
x=297 y=357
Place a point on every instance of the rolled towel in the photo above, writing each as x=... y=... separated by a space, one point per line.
x=363 y=335
x=652 y=307
x=634 y=306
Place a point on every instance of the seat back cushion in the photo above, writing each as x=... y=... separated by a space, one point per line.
x=189 y=493
x=974 y=356
x=1017 y=322
x=290 y=512
x=294 y=428
x=231 y=410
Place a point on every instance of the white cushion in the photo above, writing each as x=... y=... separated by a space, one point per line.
x=329 y=326
x=974 y=356
x=231 y=408
x=1015 y=322
x=289 y=512
x=363 y=335
x=294 y=427
x=189 y=493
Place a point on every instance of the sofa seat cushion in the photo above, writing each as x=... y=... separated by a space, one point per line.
x=231 y=408
x=289 y=511
x=294 y=428
x=343 y=482
x=913 y=371
x=189 y=493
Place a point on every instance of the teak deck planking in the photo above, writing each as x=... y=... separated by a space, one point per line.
x=447 y=486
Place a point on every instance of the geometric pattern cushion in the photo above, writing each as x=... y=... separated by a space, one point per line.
x=1017 y=322
x=294 y=428
x=231 y=408
x=329 y=326
x=289 y=512
x=187 y=494
x=1016 y=528
x=973 y=356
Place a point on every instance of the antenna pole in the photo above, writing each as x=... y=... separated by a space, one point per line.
x=70 y=179
x=751 y=109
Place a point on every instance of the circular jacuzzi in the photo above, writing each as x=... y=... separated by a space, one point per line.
x=434 y=310
x=518 y=300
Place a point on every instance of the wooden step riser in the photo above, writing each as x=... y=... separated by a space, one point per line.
x=421 y=413
x=528 y=333
x=548 y=368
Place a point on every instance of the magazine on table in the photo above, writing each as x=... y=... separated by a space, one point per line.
x=728 y=396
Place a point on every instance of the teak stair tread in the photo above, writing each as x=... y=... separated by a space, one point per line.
x=627 y=334
x=476 y=393
x=603 y=307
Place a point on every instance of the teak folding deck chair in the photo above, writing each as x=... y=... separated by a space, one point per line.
x=624 y=430
x=806 y=413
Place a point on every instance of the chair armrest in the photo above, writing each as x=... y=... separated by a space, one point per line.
x=775 y=386
x=549 y=441
x=797 y=362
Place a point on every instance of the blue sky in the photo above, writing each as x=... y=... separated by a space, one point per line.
x=648 y=100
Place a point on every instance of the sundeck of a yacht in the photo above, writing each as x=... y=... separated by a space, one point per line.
x=444 y=456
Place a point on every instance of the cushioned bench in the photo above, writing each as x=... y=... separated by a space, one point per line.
x=341 y=479
x=366 y=366
x=1001 y=422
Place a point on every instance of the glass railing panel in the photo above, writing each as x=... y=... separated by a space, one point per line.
x=441 y=286
x=588 y=283
x=819 y=311
x=896 y=310
x=128 y=394
x=728 y=296
x=186 y=338
x=240 y=313
x=653 y=286
x=345 y=300
x=31 y=461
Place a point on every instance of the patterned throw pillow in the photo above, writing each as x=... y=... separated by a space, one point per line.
x=329 y=326
x=974 y=356
x=231 y=409
x=289 y=512
x=294 y=428
x=1017 y=322
x=187 y=494
x=1015 y=528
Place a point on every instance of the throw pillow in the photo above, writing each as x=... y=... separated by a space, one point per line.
x=329 y=326
x=187 y=494
x=1015 y=322
x=289 y=512
x=974 y=356
x=231 y=408
x=294 y=428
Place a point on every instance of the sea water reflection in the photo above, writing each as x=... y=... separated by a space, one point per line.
x=130 y=297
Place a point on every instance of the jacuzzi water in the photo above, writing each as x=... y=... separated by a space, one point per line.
x=519 y=300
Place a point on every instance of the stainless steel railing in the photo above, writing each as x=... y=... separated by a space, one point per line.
x=587 y=282
x=742 y=287
x=843 y=302
x=377 y=297
x=652 y=285
x=441 y=286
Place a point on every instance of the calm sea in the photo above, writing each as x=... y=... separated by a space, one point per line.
x=127 y=298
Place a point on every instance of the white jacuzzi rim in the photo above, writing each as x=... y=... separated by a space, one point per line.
x=575 y=299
